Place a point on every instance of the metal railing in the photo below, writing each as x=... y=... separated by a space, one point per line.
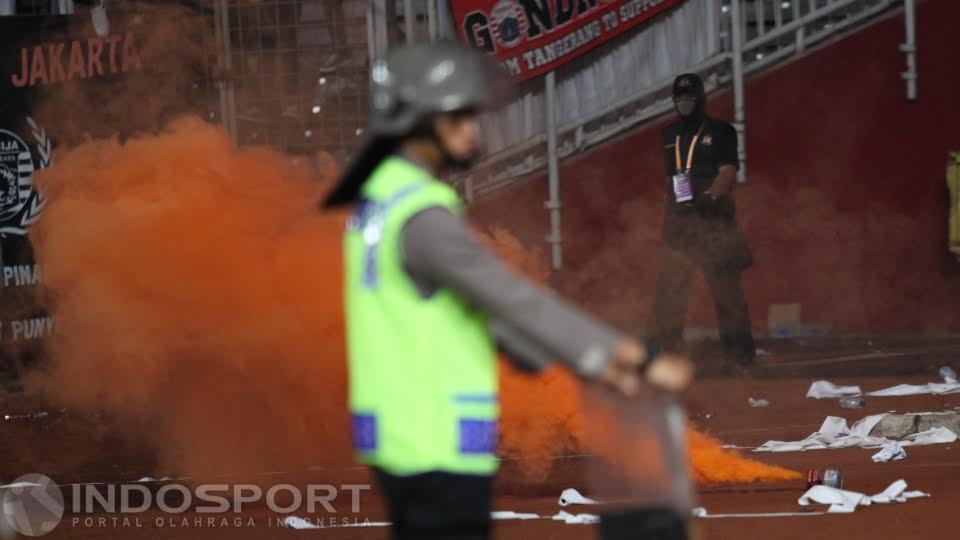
x=36 y=7
x=772 y=32
x=294 y=73
x=289 y=73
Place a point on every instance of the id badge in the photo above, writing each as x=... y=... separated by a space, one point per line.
x=682 y=188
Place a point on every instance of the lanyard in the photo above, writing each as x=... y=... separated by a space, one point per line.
x=693 y=144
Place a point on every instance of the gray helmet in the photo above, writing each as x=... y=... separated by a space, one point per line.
x=417 y=81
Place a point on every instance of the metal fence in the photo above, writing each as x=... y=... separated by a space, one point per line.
x=295 y=72
x=287 y=73
x=769 y=32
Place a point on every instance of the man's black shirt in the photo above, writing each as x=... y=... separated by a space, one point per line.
x=716 y=146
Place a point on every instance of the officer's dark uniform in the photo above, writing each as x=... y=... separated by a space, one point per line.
x=701 y=232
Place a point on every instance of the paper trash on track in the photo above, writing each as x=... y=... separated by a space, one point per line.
x=891 y=451
x=834 y=433
x=578 y=519
x=572 y=496
x=844 y=502
x=506 y=514
x=826 y=389
x=937 y=389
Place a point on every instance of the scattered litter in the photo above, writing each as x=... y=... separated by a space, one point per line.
x=762 y=352
x=702 y=513
x=755 y=403
x=845 y=502
x=896 y=492
x=937 y=435
x=578 y=519
x=948 y=374
x=841 y=501
x=826 y=389
x=506 y=514
x=293 y=522
x=936 y=389
x=572 y=496
x=828 y=477
x=892 y=451
x=834 y=433
x=853 y=402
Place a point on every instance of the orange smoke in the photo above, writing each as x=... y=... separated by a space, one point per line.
x=198 y=298
x=713 y=464
x=544 y=416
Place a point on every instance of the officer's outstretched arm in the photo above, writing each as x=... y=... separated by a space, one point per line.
x=439 y=249
x=521 y=350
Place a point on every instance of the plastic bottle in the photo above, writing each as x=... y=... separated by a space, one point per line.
x=852 y=402
x=827 y=477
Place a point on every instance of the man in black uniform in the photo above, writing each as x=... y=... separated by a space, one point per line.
x=700 y=227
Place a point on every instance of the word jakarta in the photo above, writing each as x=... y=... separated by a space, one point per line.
x=78 y=59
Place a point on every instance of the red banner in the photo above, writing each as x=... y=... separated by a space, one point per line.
x=532 y=37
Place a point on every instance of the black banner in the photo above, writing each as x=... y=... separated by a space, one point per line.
x=26 y=147
x=62 y=83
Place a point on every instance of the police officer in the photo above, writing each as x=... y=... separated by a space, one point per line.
x=700 y=228
x=426 y=304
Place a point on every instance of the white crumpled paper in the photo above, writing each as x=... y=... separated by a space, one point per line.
x=576 y=519
x=892 y=451
x=826 y=389
x=845 y=502
x=506 y=514
x=937 y=389
x=834 y=433
x=937 y=435
x=572 y=496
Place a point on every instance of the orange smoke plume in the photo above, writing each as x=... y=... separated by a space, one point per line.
x=544 y=416
x=198 y=297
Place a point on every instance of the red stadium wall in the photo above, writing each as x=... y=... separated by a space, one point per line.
x=845 y=205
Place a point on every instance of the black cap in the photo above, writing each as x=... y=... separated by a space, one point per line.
x=689 y=84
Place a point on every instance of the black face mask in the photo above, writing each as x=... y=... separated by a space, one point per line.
x=690 y=84
x=686 y=108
